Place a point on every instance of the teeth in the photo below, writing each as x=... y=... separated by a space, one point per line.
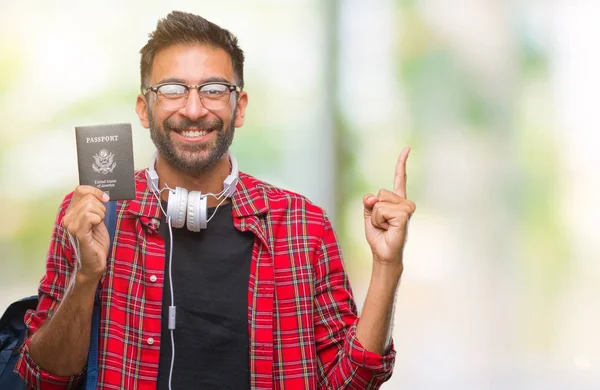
x=193 y=134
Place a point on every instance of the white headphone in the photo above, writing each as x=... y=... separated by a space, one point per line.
x=191 y=203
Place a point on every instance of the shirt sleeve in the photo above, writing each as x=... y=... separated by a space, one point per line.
x=59 y=265
x=343 y=362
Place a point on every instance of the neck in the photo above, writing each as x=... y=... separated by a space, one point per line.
x=209 y=180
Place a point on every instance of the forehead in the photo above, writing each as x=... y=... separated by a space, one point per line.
x=192 y=64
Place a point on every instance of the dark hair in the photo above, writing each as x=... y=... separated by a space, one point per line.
x=186 y=28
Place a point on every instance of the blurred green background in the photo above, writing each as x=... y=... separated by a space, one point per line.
x=497 y=99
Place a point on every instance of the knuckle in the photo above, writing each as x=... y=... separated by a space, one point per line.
x=91 y=214
x=91 y=200
x=80 y=191
x=86 y=207
x=66 y=222
x=377 y=208
x=89 y=197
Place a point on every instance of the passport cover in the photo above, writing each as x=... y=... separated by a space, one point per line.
x=105 y=159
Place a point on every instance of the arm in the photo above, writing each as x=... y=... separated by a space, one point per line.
x=374 y=329
x=386 y=222
x=344 y=362
x=359 y=364
x=61 y=345
x=55 y=354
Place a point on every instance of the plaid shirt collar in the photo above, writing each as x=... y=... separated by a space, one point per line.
x=250 y=206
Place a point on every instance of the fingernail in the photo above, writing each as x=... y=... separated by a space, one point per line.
x=105 y=197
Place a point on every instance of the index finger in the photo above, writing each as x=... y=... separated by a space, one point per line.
x=83 y=190
x=400 y=174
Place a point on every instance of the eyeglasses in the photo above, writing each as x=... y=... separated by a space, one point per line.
x=172 y=96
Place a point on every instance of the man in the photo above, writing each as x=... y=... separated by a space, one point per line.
x=261 y=294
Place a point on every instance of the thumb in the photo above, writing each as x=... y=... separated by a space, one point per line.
x=369 y=201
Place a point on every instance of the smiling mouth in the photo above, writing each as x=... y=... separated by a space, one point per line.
x=194 y=133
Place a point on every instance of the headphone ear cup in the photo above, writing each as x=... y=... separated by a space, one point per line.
x=193 y=208
x=196 y=211
x=203 y=212
x=177 y=206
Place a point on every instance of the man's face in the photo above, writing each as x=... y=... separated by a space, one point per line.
x=192 y=138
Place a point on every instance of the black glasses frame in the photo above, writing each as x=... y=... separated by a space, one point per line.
x=232 y=88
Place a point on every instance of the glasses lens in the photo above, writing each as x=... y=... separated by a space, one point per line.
x=215 y=96
x=172 y=97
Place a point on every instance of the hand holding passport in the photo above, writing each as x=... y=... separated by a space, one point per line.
x=105 y=159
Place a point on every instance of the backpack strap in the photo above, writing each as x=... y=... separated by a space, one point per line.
x=12 y=335
x=91 y=379
x=110 y=219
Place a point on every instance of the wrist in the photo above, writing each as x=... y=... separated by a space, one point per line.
x=387 y=270
x=386 y=277
x=87 y=281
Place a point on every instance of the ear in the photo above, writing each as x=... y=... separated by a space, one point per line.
x=141 y=107
x=241 y=109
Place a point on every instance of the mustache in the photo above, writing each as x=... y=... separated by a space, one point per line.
x=186 y=124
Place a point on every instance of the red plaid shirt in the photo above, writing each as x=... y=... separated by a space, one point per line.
x=301 y=314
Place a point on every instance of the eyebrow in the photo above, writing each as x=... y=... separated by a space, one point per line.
x=204 y=81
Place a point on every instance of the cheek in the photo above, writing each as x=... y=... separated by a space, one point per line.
x=232 y=118
x=150 y=114
x=223 y=116
x=157 y=119
x=235 y=116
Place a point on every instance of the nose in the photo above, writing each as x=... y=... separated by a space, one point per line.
x=194 y=109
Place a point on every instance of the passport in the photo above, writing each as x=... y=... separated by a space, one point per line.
x=105 y=159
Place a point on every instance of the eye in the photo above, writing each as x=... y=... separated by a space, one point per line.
x=214 y=90
x=172 y=90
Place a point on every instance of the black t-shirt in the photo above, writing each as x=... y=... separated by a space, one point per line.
x=210 y=271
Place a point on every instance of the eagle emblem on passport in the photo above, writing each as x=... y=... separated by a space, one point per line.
x=105 y=159
x=104 y=162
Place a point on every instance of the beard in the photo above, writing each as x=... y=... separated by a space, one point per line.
x=192 y=158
